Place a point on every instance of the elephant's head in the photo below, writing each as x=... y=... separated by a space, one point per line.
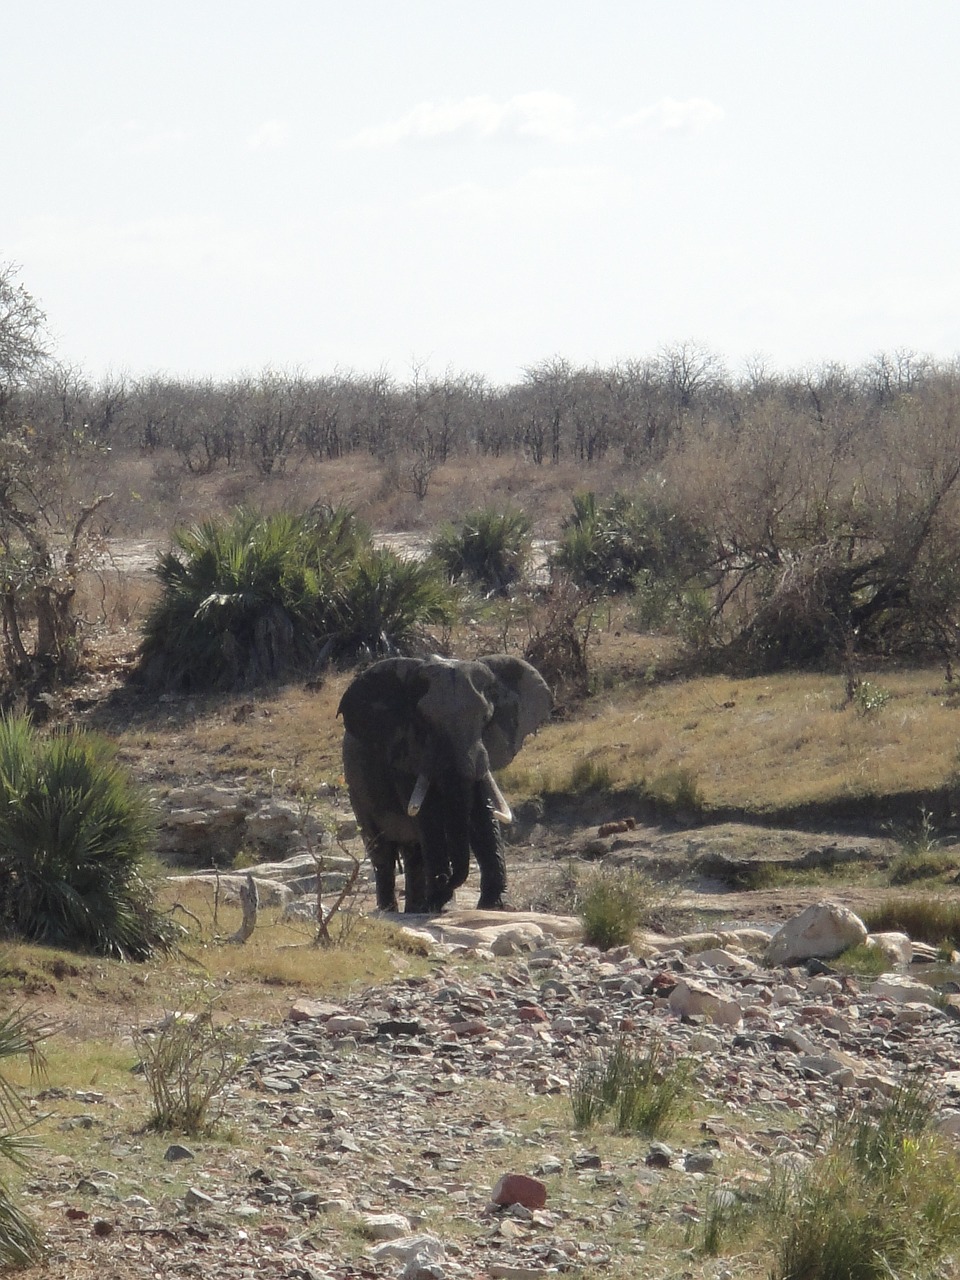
x=430 y=734
x=436 y=719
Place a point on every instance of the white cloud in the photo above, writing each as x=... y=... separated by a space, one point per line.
x=549 y=116
x=272 y=135
x=543 y=116
x=670 y=116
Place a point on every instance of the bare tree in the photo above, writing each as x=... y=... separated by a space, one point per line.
x=23 y=330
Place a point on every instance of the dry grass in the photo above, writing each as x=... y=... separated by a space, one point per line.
x=764 y=745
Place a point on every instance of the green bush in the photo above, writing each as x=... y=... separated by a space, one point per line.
x=882 y=1201
x=75 y=833
x=490 y=549
x=259 y=598
x=19 y=1236
x=384 y=602
x=612 y=906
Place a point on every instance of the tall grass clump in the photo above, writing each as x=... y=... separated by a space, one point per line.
x=929 y=919
x=20 y=1242
x=922 y=853
x=490 y=549
x=187 y=1063
x=882 y=1201
x=256 y=598
x=643 y=1091
x=75 y=835
x=613 y=904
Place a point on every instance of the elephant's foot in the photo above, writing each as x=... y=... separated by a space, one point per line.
x=439 y=895
x=392 y=905
x=488 y=903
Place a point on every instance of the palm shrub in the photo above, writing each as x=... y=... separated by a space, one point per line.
x=612 y=547
x=245 y=599
x=490 y=549
x=257 y=598
x=19 y=1237
x=75 y=833
x=383 y=602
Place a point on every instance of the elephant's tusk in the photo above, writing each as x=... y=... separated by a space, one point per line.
x=501 y=809
x=418 y=795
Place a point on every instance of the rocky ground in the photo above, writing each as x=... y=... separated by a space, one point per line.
x=367 y=1138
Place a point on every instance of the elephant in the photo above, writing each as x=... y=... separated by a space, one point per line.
x=421 y=739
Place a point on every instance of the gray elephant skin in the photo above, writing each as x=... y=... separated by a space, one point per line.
x=422 y=738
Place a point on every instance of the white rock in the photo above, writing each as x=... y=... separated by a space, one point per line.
x=823 y=930
x=518 y=937
x=346 y=1025
x=721 y=958
x=822 y=986
x=409 y=1250
x=903 y=990
x=690 y=998
x=385 y=1226
x=897 y=947
x=785 y=995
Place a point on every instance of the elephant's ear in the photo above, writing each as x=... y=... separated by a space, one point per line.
x=376 y=705
x=521 y=703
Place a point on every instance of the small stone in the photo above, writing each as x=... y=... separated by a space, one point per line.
x=699 y=1161
x=346 y=1025
x=420 y=1250
x=177 y=1152
x=193 y=1198
x=587 y=1159
x=692 y=999
x=660 y=1156
x=518 y=1188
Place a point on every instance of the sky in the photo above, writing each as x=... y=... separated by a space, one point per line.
x=207 y=188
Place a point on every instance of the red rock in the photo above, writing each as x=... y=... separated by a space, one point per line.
x=517 y=1188
x=469 y=1027
x=531 y=1013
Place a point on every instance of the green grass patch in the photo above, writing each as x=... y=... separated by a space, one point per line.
x=863 y=961
x=643 y=1090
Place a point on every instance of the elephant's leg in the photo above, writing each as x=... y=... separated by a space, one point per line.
x=415 y=897
x=383 y=859
x=486 y=838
